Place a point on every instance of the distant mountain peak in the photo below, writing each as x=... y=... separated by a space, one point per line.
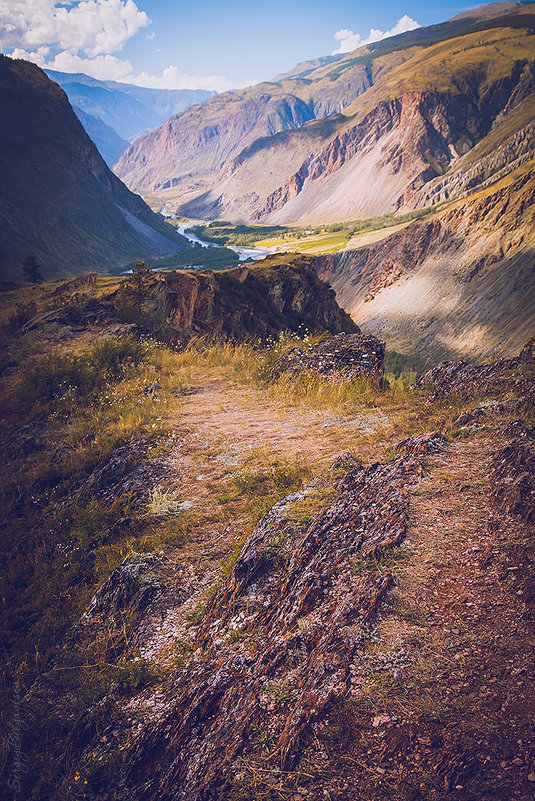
x=129 y=109
x=491 y=9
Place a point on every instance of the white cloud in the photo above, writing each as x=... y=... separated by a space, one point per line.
x=110 y=68
x=93 y=27
x=105 y=68
x=82 y=35
x=350 y=41
x=172 y=78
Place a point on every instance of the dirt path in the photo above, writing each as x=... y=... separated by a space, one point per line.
x=457 y=644
x=221 y=429
x=243 y=419
x=442 y=700
x=446 y=691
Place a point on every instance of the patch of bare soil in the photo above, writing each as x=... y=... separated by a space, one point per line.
x=240 y=420
x=218 y=430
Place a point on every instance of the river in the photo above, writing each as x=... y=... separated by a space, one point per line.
x=243 y=253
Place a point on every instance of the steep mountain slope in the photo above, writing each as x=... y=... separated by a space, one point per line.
x=58 y=198
x=109 y=144
x=459 y=283
x=399 y=135
x=352 y=137
x=130 y=110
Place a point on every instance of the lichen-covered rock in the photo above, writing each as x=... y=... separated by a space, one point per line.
x=129 y=590
x=422 y=444
x=469 y=380
x=513 y=473
x=125 y=470
x=277 y=642
x=345 y=357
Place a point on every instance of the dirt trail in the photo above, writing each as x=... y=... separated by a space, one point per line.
x=220 y=429
x=244 y=419
x=453 y=705
x=460 y=619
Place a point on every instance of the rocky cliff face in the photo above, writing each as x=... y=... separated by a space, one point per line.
x=459 y=283
x=369 y=134
x=278 y=294
x=58 y=198
x=183 y=153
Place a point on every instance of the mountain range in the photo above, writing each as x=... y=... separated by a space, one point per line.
x=441 y=119
x=378 y=130
x=58 y=198
x=126 y=109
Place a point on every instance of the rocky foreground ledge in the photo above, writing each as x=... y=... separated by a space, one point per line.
x=288 y=640
x=278 y=641
x=282 y=293
x=371 y=636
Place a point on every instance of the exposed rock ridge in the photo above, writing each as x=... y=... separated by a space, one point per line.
x=463 y=378
x=513 y=474
x=436 y=123
x=304 y=612
x=345 y=357
x=277 y=294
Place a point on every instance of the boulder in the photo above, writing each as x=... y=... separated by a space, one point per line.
x=470 y=380
x=344 y=357
x=513 y=473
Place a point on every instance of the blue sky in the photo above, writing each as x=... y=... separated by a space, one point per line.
x=205 y=44
x=246 y=39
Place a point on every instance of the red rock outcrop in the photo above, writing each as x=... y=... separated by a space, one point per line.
x=275 y=647
x=280 y=293
x=513 y=473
